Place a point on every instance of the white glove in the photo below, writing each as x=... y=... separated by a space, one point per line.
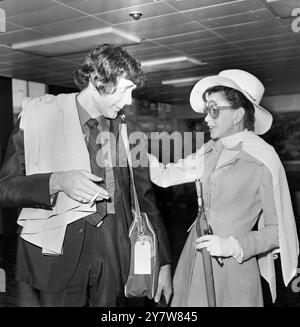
x=220 y=247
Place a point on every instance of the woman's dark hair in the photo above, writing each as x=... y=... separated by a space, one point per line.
x=237 y=100
x=104 y=65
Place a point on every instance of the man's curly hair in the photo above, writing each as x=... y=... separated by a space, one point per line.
x=104 y=65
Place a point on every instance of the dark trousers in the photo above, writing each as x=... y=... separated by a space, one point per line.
x=102 y=270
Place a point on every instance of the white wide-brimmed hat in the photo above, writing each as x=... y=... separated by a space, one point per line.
x=240 y=80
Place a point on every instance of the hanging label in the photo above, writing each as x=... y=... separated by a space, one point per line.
x=142 y=257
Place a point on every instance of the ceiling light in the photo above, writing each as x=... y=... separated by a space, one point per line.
x=282 y=8
x=135 y=15
x=170 y=63
x=181 y=81
x=76 y=43
x=163 y=61
x=75 y=36
x=2 y=20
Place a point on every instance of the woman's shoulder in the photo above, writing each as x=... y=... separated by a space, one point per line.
x=243 y=155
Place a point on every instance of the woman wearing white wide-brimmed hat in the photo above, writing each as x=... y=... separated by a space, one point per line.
x=244 y=185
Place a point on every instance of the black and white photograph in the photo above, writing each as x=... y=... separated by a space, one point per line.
x=149 y=156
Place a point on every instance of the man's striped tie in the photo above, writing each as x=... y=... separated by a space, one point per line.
x=93 y=149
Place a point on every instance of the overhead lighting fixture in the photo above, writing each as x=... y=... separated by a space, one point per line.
x=170 y=60
x=2 y=21
x=181 y=81
x=81 y=41
x=75 y=36
x=135 y=15
x=282 y=8
x=170 y=63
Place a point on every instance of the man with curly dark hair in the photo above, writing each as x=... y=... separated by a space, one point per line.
x=73 y=246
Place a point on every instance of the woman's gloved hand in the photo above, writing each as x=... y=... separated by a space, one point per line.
x=220 y=246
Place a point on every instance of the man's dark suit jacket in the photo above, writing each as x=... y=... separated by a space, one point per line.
x=52 y=273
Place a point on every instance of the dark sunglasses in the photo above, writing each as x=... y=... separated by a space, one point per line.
x=213 y=109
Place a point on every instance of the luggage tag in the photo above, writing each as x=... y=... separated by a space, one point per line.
x=147 y=238
x=142 y=256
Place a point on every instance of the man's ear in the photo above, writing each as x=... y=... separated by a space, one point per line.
x=239 y=114
x=92 y=86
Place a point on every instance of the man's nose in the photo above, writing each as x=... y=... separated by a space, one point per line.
x=128 y=99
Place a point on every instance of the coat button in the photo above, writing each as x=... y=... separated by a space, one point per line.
x=80 y=230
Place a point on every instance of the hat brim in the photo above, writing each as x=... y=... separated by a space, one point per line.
x=263 y=118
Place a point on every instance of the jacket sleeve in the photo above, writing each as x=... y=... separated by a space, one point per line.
x=266 y=238
x=17 y=189
x=148 y=203
x=185 y=170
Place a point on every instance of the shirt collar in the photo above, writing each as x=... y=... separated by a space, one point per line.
x=84 y=117
x=82 y=113
x=233 y=140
